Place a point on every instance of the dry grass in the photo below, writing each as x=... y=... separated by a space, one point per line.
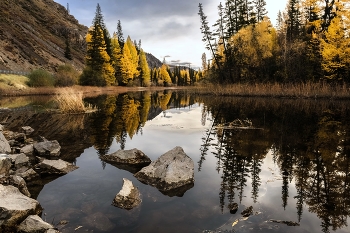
x=13 y=82
x=302 y=90
x=70 y=101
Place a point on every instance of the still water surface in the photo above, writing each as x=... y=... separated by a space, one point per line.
x=288 y=159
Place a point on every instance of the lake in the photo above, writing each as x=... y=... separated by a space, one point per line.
x=287 y=158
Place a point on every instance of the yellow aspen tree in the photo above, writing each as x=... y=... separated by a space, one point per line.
x=164 y=77
x=335 y=49
x=145 y=72
x=126 y=66
x=134 y=57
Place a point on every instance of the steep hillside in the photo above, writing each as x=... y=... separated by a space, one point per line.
x=33 y=35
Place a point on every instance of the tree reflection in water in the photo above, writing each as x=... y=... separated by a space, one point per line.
x=309 y=141
x=310 y=147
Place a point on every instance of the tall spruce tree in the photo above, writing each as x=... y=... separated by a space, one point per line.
x=294 y=20
x=98 y=70
x=260 y=9
x=121 y=39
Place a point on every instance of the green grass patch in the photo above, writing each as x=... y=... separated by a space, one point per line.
x=11 y=81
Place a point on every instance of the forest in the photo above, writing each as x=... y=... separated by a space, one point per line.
x=310 y=42
x=114 y=61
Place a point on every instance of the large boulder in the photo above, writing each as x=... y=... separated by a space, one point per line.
x=131 y=160
x=34 y=224
x=47 y=149
x=5 y=165
x=128 y=197
x=54 y=167
x=173 y=170
x=15 y=207
x=4 y=145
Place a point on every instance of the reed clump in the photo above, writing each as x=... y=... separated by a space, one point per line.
x=70 y=101
x=299 y=90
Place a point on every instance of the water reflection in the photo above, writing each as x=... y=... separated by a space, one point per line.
x=310 y=147
x=308 y=141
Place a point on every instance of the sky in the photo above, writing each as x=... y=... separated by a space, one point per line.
x=167 y=29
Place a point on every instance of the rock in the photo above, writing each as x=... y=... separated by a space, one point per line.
x=28 y=174
x=233 y=207
x=17 y=182
x=130 y=160
x=27 y=130
x=47 y=149
x=1 y=128
x=4 y=145
x=132 y=157
x=5 y=165
x=15 y=207
x=99 y=222
x=247 y=212
x=34 y=224
x=21 y=161
x=54 y=167
x=27 y=150
x=288 y=223
x=128 y=197
x=172 y=170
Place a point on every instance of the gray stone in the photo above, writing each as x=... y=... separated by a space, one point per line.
x=128 y=197
x=1 y=128
x=15 y=207
x=172 y=170
x=4 y=145
x=28 y=174
x=133 y=157
x=27 y=149
x=47 y=149
x=5 y=165
x=27 y=130
x=17 y=182
x=54 y=167
x=21 y=161
x=34 y=224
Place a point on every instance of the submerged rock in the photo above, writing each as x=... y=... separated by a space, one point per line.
x=54 y=167
x=247 y=212
x=288 y=223
x=4 y=145
x=131 y=160
x=47 y=149
x=233 y=207
x=128 y=197
x=170 y=171
x=15 y=207
x=34 y=224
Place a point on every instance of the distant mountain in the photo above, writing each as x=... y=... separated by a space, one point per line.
x=152 y=61
x=33 y=35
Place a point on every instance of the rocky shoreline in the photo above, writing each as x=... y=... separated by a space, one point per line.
x=25 y=164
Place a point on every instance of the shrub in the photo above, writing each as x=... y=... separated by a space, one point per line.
x=66 y=76
x=40 y=78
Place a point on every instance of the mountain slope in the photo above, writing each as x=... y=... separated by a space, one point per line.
x=33 y=35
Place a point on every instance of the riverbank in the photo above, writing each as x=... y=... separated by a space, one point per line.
x=15 y=86
x=277 y=90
